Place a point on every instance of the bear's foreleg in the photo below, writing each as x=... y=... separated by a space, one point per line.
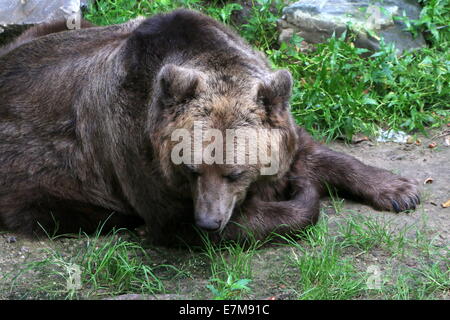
x=260 y=218
x=378 y=187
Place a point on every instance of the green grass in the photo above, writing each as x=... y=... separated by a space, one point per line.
x=333 y=264
x=325 y=261
x=367 y=233
x=337 y=92
x=104 y=265
x=426 y=280
x=323 y=272
x=230 y=267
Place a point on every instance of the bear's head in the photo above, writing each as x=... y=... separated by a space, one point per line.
x=216 y=133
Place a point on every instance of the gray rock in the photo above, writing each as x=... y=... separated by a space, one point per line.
x=17 y=15
x=11 y=239
x=85 y=3
x=17 y=12
x=317 y=20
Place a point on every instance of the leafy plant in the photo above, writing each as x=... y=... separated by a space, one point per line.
x=229 y=289
x=223 y=13
x=433 y=21
x=230 y=265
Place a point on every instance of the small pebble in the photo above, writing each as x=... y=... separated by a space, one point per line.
x=24 y=249
x=11 y=239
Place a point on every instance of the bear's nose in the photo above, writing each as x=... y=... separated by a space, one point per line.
x=208 y=224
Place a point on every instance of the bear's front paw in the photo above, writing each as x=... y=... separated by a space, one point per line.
x=396 y=194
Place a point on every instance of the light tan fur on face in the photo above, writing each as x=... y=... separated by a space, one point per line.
x=227 y=102
x=213 y=199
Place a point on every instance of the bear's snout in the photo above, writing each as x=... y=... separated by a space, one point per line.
x=209 y=224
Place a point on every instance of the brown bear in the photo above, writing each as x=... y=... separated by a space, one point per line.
x=87 y=125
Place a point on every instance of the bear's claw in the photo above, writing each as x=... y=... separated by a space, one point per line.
x=395 y=206
x=409 y=204
x=396 y=194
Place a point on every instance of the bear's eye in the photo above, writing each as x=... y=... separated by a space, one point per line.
x=262 y=100
x=234 y=176
x=192 y=170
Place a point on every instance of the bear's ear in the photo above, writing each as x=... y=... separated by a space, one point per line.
x=275 y=92
x=177 y=84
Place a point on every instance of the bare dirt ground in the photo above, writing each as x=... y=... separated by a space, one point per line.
x=418 y=161
x=429 y=166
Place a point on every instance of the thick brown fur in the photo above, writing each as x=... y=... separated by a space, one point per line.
x=86 y=119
